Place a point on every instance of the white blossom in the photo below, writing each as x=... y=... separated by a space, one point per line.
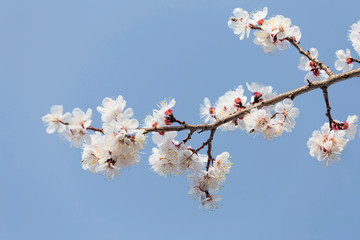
x=257 y=18
x=343 y=62
x=286 y=114
x=188 y=160
x=260 y=92
x=326 y=145
x=349 y=127
x=211 y=180
x=296 y=34
x=230 y=103
x=159 y=118
x=240 y=23
x=305 y=64
x=210 y=201
x=275 y=32
x=316 y=75
x=111 y=108
x=160 y=138
x=81 y=119
x=351 y=124
x=261 y=121
x=207 y=112
x=94 y=153
x=77 y=128
x=56 y=120
x=165 y=159
x=354 y=36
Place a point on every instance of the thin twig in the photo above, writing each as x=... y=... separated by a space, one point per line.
x=188 y=136
x=180 y=122
x=95 y=129
x=209 y=144
x=199 y=148
x=328 y=108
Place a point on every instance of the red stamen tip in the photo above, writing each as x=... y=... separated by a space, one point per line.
x=168 y=112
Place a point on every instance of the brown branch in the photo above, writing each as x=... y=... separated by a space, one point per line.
x=199 y=148
x=307 y=54
x=254 y=27
x=328 y=108
x=290 y=94
x=95 y=129
x=180 y=122
x=188 y=136
x=209 y=144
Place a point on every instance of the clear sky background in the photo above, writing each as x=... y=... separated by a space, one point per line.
x=76 y=53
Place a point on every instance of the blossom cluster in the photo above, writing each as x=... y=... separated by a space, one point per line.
x=109 y=149
x=270 y=121
x=173 y=158
x=270 y=33
x=204 y=184
x=327 y=144
x=72 y=126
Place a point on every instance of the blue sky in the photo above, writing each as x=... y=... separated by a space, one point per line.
x=76 y=53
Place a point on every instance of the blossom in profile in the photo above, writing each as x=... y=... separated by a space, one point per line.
x=305 y=64
x=260 y=92
x=354 y=36
x=207 y=112
x=257 y=18
x=316 y=75
x=56 y=120
x=349 y=126
x=314 y=72
x=160 y=118
x=344 y=61
x=209 y=201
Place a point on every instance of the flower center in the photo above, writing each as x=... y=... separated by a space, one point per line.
x=260 y=22
x=349 y=60
x=211 y=110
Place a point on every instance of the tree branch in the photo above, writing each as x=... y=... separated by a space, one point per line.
x=95 y=129
x=290 y=94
